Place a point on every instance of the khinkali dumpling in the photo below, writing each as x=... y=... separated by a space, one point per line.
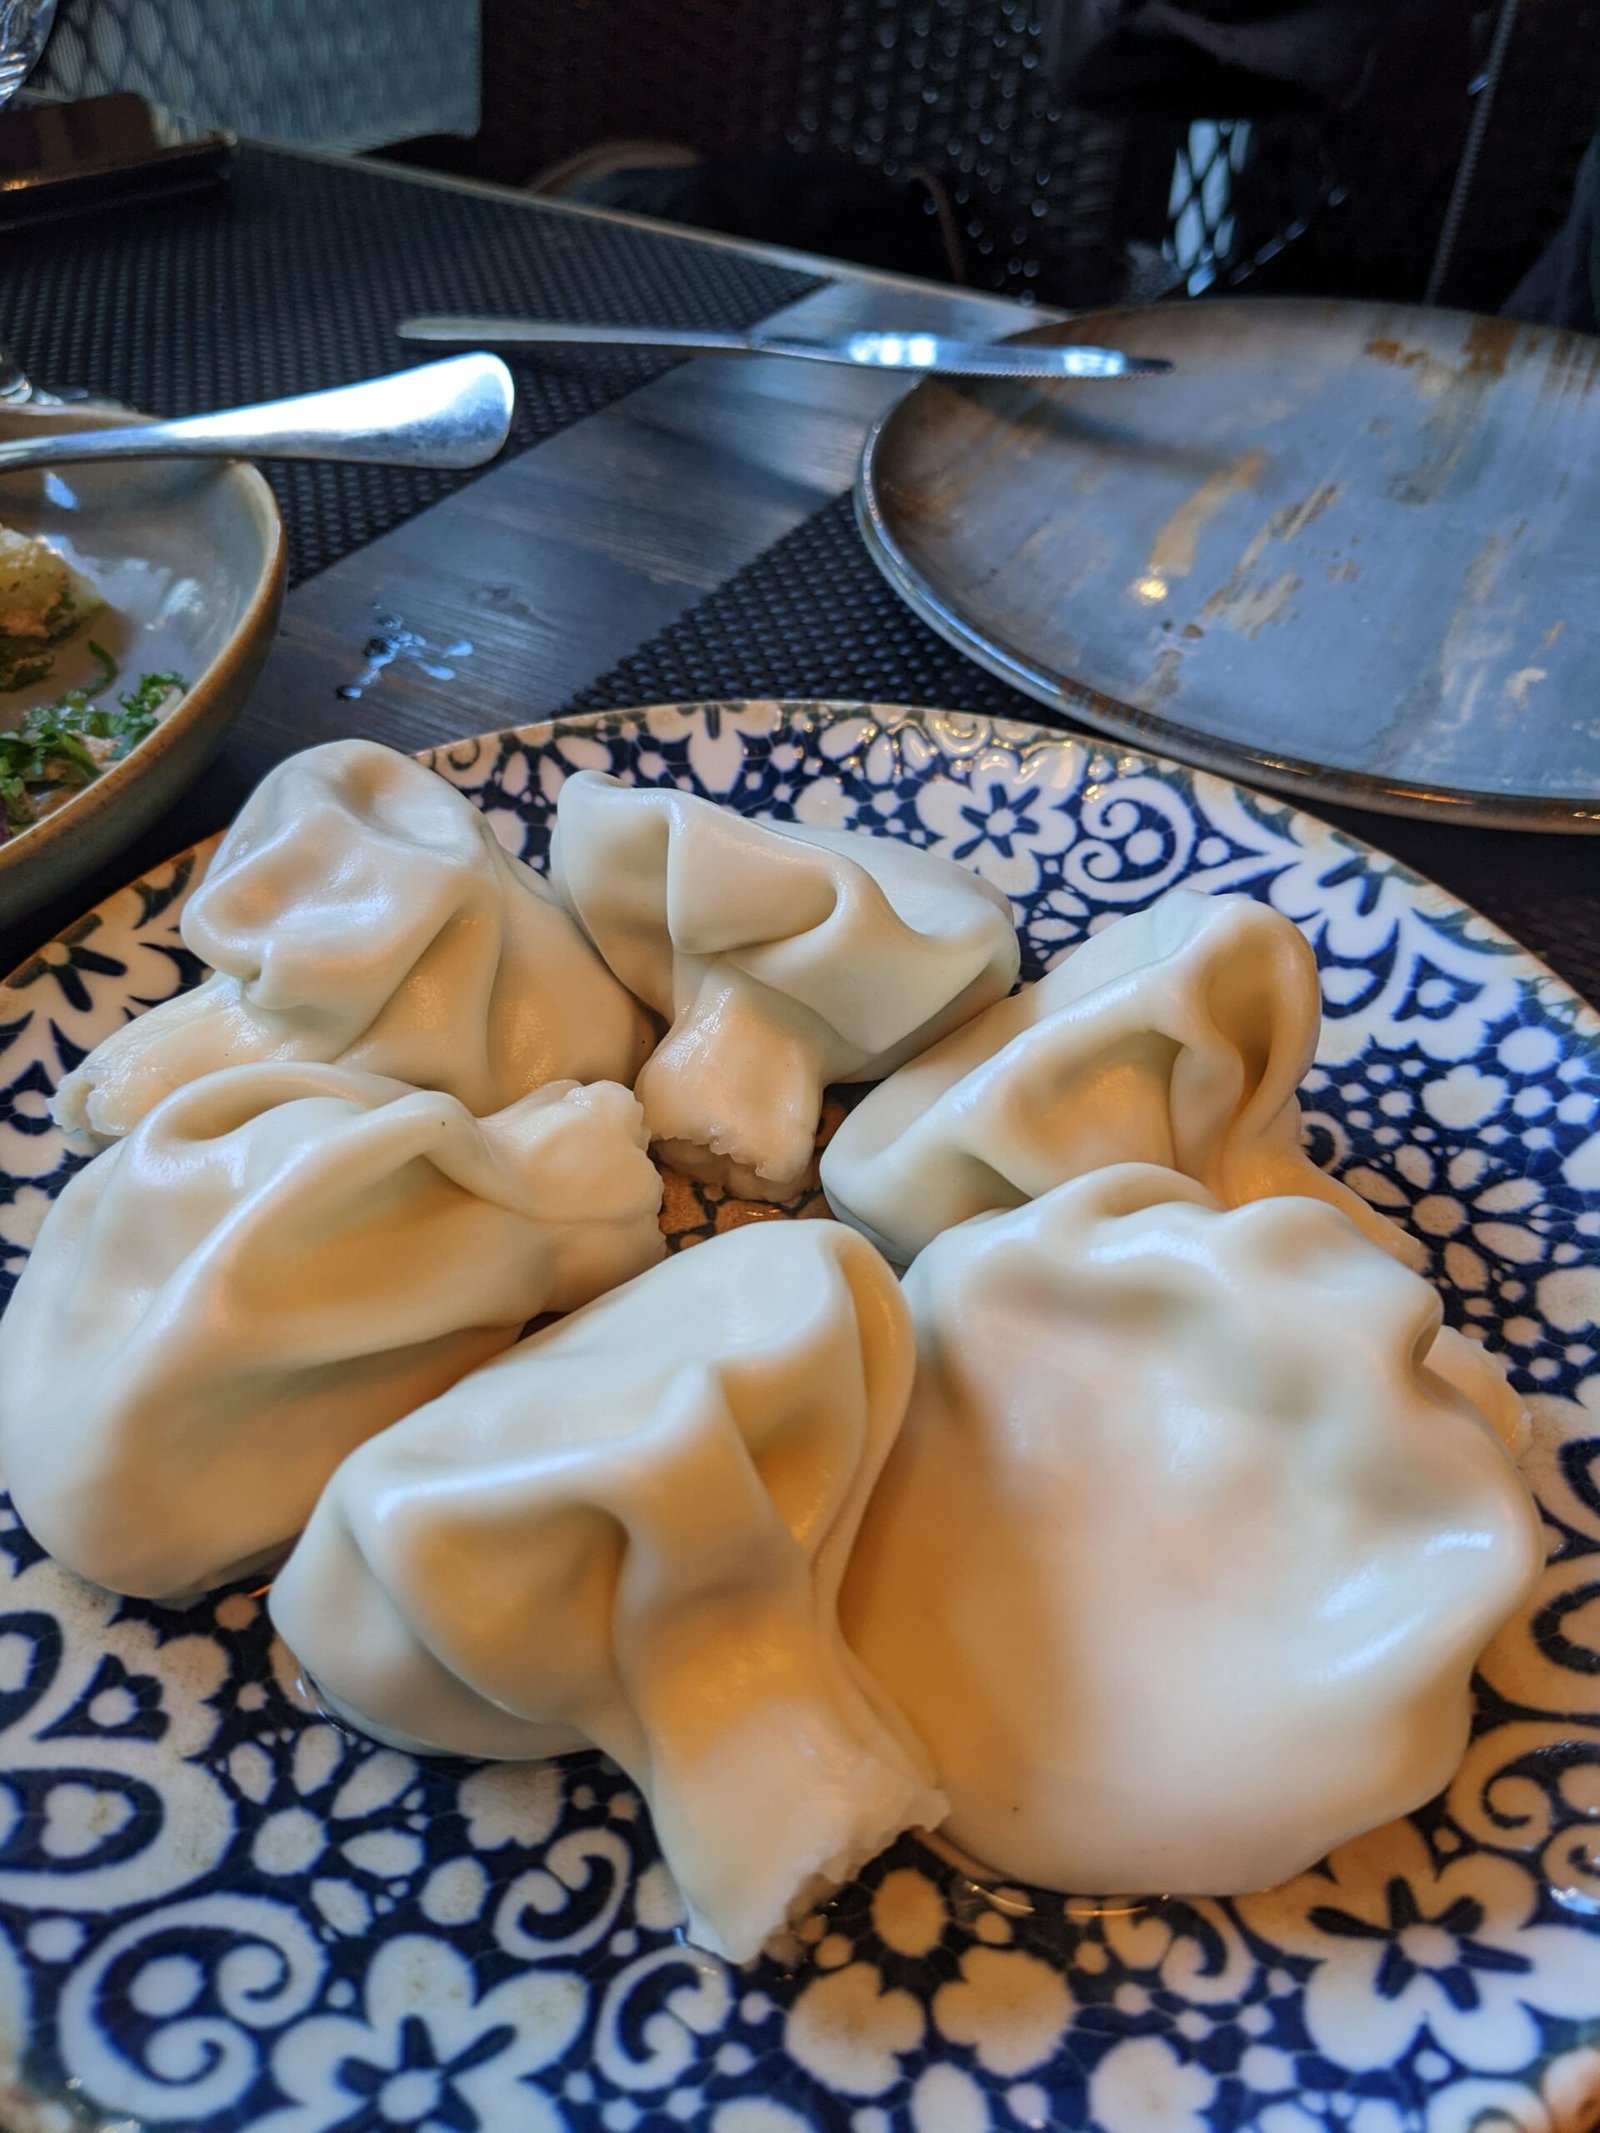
x=784 y=958
x=361 y=910
x=1177 y=1036
x=276 y=1262
x=1184 y=1556
x=630 y=1531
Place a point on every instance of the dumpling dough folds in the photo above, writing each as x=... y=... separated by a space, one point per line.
x=1184 y=1556
x=360 y=910
x=277 y=1262
x=784 y=958
x=630 y=1531
x=1178 y=1036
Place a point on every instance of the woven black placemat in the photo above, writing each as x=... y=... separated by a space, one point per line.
x=809 y=617
x=292 y=277
x=813 y=617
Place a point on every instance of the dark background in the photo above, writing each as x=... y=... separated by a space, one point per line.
x=1074 y=151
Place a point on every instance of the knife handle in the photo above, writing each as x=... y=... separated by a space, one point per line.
x=474 y=332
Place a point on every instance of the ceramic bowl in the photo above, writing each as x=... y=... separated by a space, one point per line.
x=189 y=559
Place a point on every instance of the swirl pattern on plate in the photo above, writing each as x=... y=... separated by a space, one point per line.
x=217 y=1911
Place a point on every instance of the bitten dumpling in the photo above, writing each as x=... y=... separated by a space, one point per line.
x=784 y=958
x=276 y=1262
x=630 y=1531
x=360 y=910
x=1178 y=1036
x=1184 y=1556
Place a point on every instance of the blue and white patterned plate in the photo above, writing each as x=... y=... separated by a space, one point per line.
x=218 y=1911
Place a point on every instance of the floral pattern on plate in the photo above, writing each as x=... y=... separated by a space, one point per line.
x=218 y=1911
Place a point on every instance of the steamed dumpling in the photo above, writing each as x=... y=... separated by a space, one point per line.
x=1184 y=1556
x=361 y=910
x=784 y=958
x=630 y=1531
x=1178 y=1036
x=276 y=1262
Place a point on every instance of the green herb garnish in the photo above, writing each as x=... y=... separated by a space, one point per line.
x=50 y=747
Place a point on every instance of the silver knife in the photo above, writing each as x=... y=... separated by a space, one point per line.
x=909 y=351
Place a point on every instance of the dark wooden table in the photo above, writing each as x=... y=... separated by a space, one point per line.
x=557 y=563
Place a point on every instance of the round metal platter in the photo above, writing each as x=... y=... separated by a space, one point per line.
x=1345 y=549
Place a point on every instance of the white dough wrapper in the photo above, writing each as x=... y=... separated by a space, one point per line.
x=1177 y=1036
x=360 y=910
x=630 y=1531
x=783 y=958
x=1184 y=1556
x=275 y=1263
